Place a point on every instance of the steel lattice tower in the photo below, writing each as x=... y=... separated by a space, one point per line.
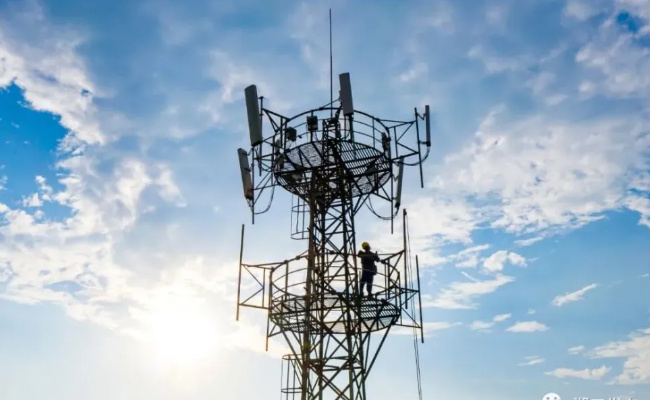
x=334 y=160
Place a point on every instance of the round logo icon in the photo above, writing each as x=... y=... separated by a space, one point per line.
x=551 y=396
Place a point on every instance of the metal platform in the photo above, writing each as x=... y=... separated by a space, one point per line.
x=364 y=168
x=342 y=313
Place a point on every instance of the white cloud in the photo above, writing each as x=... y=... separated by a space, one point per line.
x=615 y=61
x=433 y=222
x=428 y=328
x=555 y=99
x=531 y=360
x=485 y=326
x=581 y=9
x=494 y=64
x=481 y=326
x=572 y=296
x=52 y=76
x=501 y=317
x=495 y=262
x=538 y=175
x=576 y=349
x=93 y=249
x=545 y=85
x=540 y=82
x=531 y=311
x=436 y=326
x=588 y=374
x=441 y=18
x=529 y=241
x=32 y=201
x=461 y=295
x=446 y=218
x=635 y=350
x=641 y=205
x=415 y=72
x=496 y=15
x=527 y=327
x=469 y=257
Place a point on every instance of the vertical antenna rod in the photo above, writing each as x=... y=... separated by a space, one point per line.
x=331 y=70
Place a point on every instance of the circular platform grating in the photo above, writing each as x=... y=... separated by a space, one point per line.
x=364 y=168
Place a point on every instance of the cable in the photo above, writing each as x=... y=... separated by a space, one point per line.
x=426 y=155
x=268 y=206
x=417 y=362
x=416 y=348
x=372 y=210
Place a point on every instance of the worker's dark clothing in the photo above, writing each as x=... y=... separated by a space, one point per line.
x=368 y=269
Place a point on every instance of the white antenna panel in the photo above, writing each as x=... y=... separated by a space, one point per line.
x=254 y=120
x=346 y=94
x=246 y=179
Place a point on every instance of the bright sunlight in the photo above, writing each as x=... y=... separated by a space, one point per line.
x=182 y=332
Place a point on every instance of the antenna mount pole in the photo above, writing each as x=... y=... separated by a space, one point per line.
x=331 y=71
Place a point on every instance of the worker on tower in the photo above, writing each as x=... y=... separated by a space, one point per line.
x=368 y=267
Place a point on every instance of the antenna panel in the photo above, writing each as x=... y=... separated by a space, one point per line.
x=400 y=179
x=246 y=179
x=427 y=120
x=254 y=120
x=346 y=94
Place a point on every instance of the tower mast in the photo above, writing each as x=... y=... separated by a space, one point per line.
x=334 y=160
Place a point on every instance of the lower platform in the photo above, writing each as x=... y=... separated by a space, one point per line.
x=339 y=313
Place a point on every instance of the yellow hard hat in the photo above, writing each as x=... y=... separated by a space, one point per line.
x=365 y=245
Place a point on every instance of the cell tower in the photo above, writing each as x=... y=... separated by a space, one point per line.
x=334 y=160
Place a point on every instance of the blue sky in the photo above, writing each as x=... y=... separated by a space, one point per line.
x=120 y=200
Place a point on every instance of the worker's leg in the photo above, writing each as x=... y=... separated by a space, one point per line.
x=365 y=279
x=369 y=282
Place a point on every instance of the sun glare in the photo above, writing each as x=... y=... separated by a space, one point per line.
x=182 y=334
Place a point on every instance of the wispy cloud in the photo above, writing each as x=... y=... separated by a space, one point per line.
x=576 y=349
x=481 y=326
x=428 y=328
x=461 y=295
x=581 y=9
x=572 y=296
x=485 y=326
x=613 y=62
x=529 y=241
x=527 y=327
x=531 y=360
x=501 y=317
x=588 y=374
x=494 y=64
